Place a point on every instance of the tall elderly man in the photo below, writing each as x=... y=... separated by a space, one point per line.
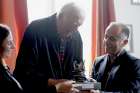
x=48 y=50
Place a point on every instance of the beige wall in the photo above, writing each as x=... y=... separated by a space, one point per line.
x=129 y=13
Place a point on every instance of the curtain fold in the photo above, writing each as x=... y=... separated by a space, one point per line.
x=106 y=14
x=14 y=14
x=94 y=33
x=102 y=14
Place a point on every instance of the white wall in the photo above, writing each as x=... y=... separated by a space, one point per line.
x=39 y=9
x=129 y=13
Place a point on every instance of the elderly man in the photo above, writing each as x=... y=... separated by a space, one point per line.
x=118 y=71
x=48 y=50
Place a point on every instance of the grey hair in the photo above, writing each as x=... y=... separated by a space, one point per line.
x=125 y=32
x=70 y=8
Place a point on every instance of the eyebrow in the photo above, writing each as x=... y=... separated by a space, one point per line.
x=117 y=37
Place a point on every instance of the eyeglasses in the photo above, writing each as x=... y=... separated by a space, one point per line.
x=114 y=38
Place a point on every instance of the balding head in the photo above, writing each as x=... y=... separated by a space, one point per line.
x=116 y=37
x=71 y=8
x=120 y=28
x=70 y=17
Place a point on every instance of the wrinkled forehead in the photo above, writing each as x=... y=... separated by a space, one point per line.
x=113 y=31
x=73 y=10
x=80 y=12
x=76 y=14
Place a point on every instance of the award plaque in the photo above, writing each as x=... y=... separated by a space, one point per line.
x=81 y=82
x=87 y=86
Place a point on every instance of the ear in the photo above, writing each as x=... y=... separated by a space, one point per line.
x=125 y=42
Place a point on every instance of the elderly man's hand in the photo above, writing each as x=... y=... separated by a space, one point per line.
x=53 y=82
x=66 y=87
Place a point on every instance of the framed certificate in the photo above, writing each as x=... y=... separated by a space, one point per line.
x=135 y=2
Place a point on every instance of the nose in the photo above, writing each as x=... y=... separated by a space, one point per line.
x=106 y=41
x=12 y=45
x=78 y=23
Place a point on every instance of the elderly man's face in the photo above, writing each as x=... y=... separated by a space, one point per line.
x=73 y=21
x=113 y=41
